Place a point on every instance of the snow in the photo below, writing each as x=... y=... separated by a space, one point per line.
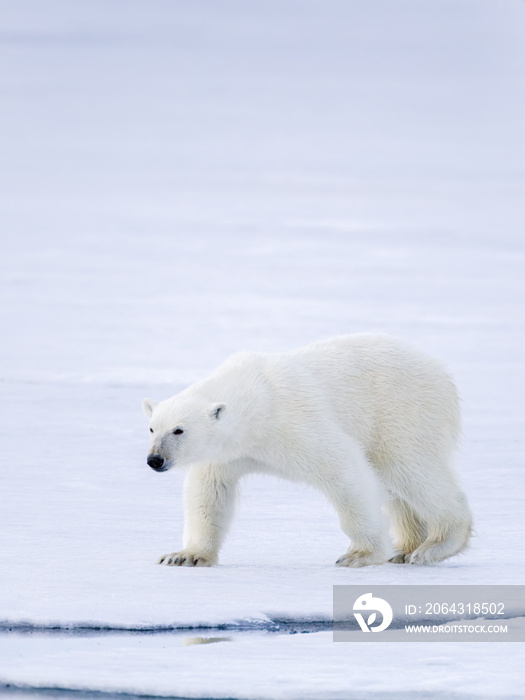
x=301 y=666
x=184 y=181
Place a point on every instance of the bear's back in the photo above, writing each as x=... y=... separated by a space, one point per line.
x=390 y=396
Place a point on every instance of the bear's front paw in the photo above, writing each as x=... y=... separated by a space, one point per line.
x=185 y=558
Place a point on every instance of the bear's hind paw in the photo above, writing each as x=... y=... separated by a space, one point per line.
x=184 y=558
x=356 y=558
x=400 y=558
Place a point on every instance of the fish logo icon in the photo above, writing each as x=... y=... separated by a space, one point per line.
x=367 y=603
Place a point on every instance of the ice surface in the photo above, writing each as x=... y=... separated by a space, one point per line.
x=183 y=180
x=253 y=666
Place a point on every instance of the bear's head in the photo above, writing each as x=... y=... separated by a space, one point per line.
x=185 y=430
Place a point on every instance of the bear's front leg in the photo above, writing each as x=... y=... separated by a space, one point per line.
x=209 y=499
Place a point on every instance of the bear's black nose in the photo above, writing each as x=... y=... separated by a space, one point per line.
x=155 y=461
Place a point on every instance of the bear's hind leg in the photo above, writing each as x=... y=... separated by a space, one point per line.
x=408 y=530
x=448 y=533
x=353 y=488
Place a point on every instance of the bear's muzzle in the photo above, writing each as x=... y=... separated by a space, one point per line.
x=157 y=463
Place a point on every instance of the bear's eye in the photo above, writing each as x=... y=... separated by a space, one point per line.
x=178 y=431
x=151 y=430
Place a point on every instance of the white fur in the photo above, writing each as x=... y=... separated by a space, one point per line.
x=364 y=418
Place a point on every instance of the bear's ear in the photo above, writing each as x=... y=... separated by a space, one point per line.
x=148 y=406
x=217 y=410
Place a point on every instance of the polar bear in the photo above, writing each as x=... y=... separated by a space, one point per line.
x=369 y=421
